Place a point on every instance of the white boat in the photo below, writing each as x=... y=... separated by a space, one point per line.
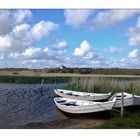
x=128 y=99
x=82 y=95
x=82 y=106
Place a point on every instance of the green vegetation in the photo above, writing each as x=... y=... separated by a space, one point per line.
x=105 y=84
x=131 y=120
x=33 y=79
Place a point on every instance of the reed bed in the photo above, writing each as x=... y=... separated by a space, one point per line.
x=105 y=84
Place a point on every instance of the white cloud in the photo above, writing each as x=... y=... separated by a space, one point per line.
x=21 y=15
x=109 y=18
x=134 y=54
x=33 y=53
x=57 y=44
x=121 y=63
x=17 y=38
x=30 y=53
x=5 y=43
x=1 y=56
x=134 y=34
x=11 y=18
x=36 y=58
x=16 y=34
x=112 y=49
x=134 y=41
x=23 y=36
x=83 y=50
x=43 y=28
x=77 y=17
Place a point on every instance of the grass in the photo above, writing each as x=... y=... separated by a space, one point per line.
x=33 y=79
x=131 y=120
x=105 y=84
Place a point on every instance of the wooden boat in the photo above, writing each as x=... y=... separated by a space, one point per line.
x=82 y=95
x=82 y=106
x=128 y=98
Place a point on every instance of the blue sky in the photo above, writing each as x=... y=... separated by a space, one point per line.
x=74 y=38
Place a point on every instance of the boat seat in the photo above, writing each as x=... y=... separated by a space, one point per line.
x=69 y=103
x=61 y=101
x=69 y=93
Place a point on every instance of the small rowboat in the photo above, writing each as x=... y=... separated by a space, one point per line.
x=128 y=99
x=82 y=106
x=82 y=95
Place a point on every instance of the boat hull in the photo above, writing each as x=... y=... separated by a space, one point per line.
x=98 y=107
x=82 y=95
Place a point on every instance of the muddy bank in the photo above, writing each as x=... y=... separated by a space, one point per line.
x=29 y=106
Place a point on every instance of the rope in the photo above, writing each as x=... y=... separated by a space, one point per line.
x=102 y=106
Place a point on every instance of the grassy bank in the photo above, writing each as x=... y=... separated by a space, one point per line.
x=32 y=79
x=131 y=120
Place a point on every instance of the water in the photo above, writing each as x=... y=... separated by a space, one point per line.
x=21 y=104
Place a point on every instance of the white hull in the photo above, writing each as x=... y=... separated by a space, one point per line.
x=82 y=106
x=136 y=100
x=128 y=99
x=82 y=95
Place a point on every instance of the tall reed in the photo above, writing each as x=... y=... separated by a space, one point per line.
x=105 y=84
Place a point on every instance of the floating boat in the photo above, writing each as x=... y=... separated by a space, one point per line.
x=82 y=95
x=128 y=99
x=82 y=106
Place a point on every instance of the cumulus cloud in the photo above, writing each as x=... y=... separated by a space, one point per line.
x=84 y=51
x=22 y=15
x=24 y=35
x=133 y=54
x=18 y=38
x=43 y=28
x=109 y=18
x=5 y=43
x=77 y=17
x=37 y=55
x=11 y=18
x=57 y=44
x=30 y=53
x=134 y=34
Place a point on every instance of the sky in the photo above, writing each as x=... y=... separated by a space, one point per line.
x=95 y=38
